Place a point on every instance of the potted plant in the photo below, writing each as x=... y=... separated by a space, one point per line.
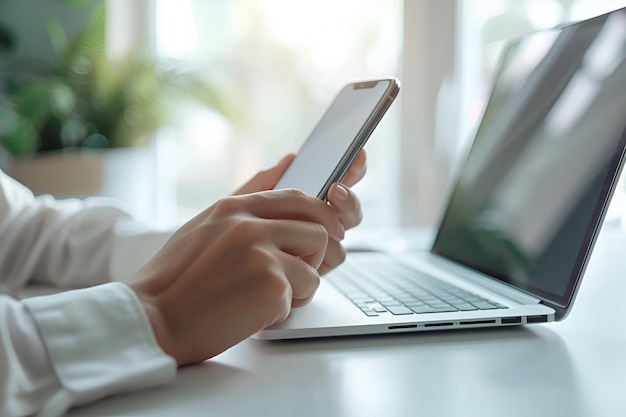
x=63 y=119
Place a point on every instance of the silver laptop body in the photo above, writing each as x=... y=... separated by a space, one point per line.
x=522 y=220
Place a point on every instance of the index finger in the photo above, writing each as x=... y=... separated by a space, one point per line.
x=292 y=204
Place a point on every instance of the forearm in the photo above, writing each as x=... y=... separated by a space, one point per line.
x=68 y=243
x=61 y=242
x=76 y=347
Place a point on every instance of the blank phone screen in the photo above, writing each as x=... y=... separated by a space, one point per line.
x=326 y=147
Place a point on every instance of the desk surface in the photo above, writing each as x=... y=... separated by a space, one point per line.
x=572 y=368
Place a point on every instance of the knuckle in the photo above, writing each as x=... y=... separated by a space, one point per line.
x=249 y=229
x=260 y=261
x=227 y=205
x=277 y=293
x=277 y=287
x=266 y=271
x=320 y=232
x=295 y=194
x=315 y=284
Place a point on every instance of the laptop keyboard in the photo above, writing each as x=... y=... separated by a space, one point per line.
x=403 y=290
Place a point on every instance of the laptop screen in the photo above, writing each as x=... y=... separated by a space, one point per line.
x=537 y=180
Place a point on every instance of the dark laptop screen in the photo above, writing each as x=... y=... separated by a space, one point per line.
x=535 y=186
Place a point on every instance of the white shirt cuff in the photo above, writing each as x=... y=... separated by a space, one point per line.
x=100 y=342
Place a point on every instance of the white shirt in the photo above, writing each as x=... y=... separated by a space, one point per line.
x=79 y=345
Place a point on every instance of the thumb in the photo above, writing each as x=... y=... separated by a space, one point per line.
x=266 y=180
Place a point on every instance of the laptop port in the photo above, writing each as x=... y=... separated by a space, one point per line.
x=448 y=323
x=464 y=323
x=403 y=326
x=511 y=320
x=536 y=319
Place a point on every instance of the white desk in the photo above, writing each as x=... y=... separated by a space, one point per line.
x=573 y=368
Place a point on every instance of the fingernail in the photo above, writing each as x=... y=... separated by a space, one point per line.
x=341 y=193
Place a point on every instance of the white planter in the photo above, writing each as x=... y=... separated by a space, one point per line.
x=131 y=175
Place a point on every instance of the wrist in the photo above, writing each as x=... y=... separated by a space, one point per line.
x=158 y=322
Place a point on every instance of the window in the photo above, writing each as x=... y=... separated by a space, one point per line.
x=280 y=63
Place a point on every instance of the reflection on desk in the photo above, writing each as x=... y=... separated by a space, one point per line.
x=572 y=368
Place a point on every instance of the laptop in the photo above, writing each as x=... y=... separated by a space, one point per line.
x=521 y=221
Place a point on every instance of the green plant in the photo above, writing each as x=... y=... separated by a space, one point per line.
x=88 y=100
x=6 y=39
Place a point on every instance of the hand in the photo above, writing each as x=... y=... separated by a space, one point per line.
x=341 y=198
x=235 y=269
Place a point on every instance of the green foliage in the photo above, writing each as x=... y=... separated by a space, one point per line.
x=92 y=101
x=6 y=39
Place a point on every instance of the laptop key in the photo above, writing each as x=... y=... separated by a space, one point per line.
x=436 y=304
x=377 y=308
x=370 y=313
x=399 y=310
x=422 y=309
x=412 y=304
x=444 y=309
x=465 y=307
x=366 y=305
x=484 y=305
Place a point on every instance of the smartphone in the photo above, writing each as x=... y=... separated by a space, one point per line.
x=336 y=140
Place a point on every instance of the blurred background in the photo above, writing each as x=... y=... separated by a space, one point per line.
x=169 y=105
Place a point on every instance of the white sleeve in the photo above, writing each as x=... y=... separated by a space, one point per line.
x=68 y=349
x=60 y=242
x=68 y=243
